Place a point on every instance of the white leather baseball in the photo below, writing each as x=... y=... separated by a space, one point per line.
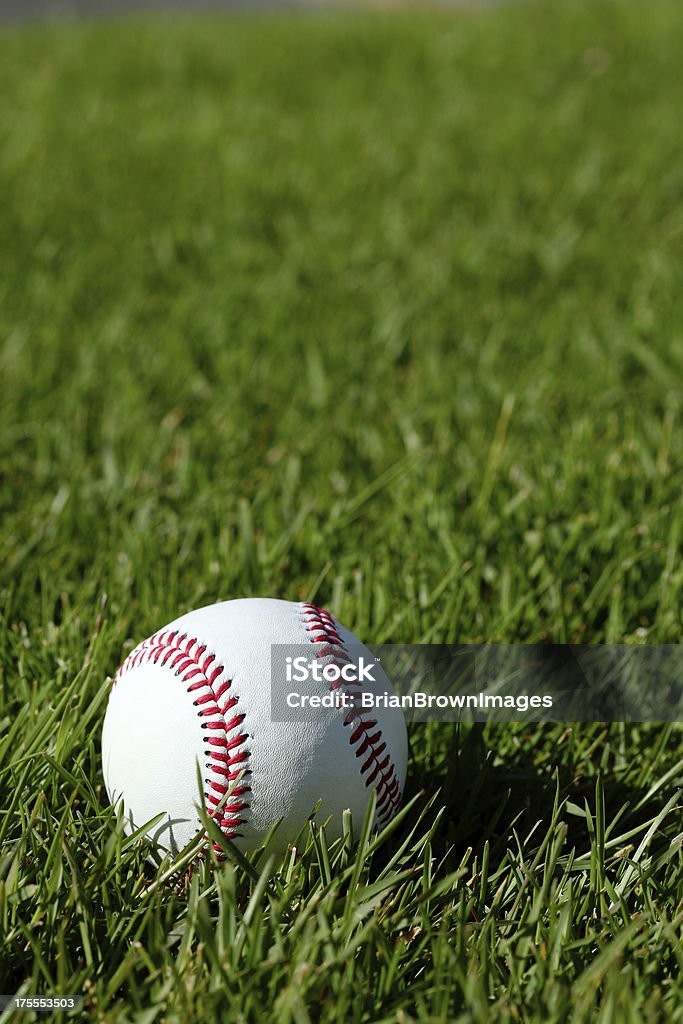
x=198 y=692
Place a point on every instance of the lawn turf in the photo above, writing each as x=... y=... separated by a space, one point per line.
x=384 y=312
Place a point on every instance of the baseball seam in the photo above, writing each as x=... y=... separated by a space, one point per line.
x=224 y=741
x=377 y=768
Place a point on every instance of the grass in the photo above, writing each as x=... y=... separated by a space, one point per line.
x=383 y=312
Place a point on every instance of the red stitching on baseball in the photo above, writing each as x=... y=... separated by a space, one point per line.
x=204 y=699
x=323 y=629
x=186 y=657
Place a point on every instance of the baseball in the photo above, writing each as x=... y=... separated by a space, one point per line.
x=198 y=692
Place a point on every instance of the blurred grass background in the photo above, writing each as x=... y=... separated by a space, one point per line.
x=382 y=312
x=351 y=308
